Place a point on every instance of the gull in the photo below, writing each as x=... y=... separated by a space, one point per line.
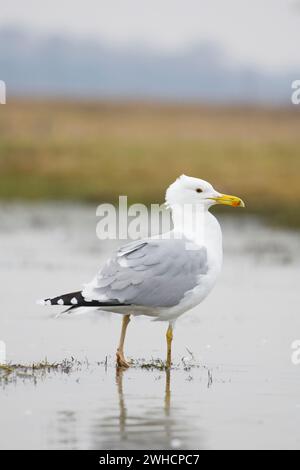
x=161 y=276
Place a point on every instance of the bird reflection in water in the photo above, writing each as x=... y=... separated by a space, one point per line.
x=147 y=427
x=136 y=419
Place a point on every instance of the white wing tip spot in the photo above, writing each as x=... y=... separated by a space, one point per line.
x=74 y=301
x=60 y=302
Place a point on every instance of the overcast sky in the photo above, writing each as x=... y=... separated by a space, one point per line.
x=263 y=32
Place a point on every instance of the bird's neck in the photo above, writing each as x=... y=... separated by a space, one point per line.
x=197 y=224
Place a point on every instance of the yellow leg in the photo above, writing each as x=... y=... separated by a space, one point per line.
x=121 y=361
x=169 y=345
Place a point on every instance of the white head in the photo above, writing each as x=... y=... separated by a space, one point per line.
x=189 y=190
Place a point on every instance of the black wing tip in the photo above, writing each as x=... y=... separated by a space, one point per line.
x=76 y=299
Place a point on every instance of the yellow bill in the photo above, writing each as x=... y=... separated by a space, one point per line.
x=227 y=200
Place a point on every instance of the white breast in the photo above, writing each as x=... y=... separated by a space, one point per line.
x=211 y=238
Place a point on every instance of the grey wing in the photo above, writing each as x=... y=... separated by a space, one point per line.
x=150 y=273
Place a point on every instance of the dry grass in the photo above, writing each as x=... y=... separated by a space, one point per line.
x=87 y=151
x=13 y=373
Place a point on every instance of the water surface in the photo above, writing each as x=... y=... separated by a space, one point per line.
x=245 y=394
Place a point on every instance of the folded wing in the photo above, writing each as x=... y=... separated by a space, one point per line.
x=150 y=273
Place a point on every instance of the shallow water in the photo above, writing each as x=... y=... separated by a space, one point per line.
x=245 y=394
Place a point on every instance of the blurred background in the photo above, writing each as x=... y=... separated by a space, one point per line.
x=120 y=97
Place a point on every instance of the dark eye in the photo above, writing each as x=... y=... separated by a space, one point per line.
x=199 y=190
